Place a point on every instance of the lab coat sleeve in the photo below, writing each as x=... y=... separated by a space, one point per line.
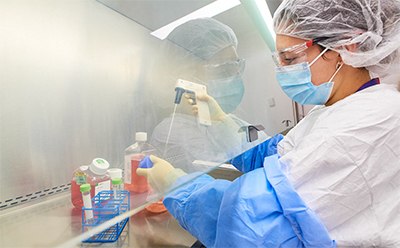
x=196 y=205
x=326 y=172
x=246 y=213
x=254 y=158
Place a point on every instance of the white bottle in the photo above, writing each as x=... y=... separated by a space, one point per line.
x=133 y=155
x=97 y=175
x=94 y=174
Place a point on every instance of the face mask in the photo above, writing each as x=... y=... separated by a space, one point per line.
x=227 y=92
x=295 y=81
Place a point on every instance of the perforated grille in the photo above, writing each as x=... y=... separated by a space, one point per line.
x=34 y=196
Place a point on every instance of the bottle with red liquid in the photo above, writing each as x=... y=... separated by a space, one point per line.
x=133 y=155
x=94 y=174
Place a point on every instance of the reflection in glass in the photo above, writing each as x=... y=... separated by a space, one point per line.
x=205 y=52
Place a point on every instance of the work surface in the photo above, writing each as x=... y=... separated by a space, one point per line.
x=53 y=221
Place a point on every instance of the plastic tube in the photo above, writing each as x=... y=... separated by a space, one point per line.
x=117 y=186
x=87 y=200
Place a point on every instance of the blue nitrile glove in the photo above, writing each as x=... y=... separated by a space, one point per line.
x=254 y=158
x=160 y=174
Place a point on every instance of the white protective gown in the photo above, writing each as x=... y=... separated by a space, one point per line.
x=344 y=161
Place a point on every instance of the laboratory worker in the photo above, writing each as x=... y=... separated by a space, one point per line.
x=335 y=179
x=209 y=58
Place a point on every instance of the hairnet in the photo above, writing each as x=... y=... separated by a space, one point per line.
x=182 y=56
x=373 y=25
x=204 y=37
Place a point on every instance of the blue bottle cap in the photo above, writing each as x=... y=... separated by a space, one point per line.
x=146 y=163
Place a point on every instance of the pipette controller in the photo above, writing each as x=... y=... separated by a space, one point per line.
x=184 y=86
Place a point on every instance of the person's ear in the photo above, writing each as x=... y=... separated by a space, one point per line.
x=332 y=55
x=339 y=60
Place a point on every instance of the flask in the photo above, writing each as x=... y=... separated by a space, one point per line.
x=133 y=155
x=94 y=174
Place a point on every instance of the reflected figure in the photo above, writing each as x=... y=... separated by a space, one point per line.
x=333 y=180
x=210 y=46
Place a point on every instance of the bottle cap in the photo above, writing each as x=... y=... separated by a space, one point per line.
x=146 y=163
x=99 y=166
x=141 y=136
x=85 y=187
x=115 y=173
x=116 y=181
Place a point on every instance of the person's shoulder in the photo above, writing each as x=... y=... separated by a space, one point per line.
x=379 y=101
x=375 y=106
x=179 y=120
x=380 y=96
x=182 y=125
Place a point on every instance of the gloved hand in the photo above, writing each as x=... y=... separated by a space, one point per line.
x=160 y=174
x=216 y=112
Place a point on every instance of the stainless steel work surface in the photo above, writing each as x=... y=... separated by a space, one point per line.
x=53 y=221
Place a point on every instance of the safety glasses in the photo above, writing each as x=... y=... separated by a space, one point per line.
x=226 y=69
x=292 y=55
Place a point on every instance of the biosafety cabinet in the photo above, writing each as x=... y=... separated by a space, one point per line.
x=78 y=80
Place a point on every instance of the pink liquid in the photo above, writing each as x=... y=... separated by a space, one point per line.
x=76 y=195
x=139 y=183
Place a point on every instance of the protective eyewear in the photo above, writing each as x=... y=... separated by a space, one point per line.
x=292 y=55
x=226 y=69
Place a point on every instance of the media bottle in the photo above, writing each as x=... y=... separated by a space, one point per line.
x=94 y=174
x=133 y=155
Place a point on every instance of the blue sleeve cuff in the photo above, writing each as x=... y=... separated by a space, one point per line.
x=254 y=158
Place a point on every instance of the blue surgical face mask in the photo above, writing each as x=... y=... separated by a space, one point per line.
x=295 y=81
x=228 y=92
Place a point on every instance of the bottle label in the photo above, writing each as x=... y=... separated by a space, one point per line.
x=106 y=185
x=80 y=177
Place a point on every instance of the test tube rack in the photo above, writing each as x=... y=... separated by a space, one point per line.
x=105 y=207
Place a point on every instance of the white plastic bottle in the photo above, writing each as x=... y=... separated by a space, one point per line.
x=98 y=177
x=94 y=174
x=133 y=155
